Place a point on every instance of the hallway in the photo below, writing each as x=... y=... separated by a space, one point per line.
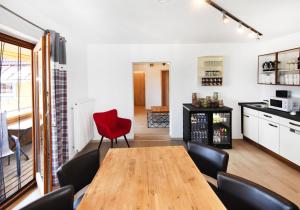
x=142 y=132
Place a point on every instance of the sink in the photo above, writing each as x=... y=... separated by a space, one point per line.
x=262 y=106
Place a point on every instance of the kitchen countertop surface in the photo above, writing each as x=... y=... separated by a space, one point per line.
x=271 y=111
x=192 y=108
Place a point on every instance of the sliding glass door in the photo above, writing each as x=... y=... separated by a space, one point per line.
x=16 y=119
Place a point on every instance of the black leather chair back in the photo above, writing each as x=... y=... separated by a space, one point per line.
x=79 y=171
x=237 y=193
x=61 y=199
x=209 y=160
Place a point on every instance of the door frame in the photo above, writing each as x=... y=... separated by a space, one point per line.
x=45 y=184
x=170 y=91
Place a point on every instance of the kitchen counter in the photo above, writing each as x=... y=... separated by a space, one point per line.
x=273 y=131
x=192 y=108
x=271 y=111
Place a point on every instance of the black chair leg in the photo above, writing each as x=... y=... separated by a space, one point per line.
x=116 y=141
x=126 y=140
x=100 y=142
x=111 y=143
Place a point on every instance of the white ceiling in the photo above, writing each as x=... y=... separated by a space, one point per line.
x=177 y=21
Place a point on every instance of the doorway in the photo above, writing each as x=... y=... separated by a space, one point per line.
x=151 y=101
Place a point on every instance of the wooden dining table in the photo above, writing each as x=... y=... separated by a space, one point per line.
x=149 y=178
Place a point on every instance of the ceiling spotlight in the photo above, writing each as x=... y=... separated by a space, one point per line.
x=251 y=35
x=199 y=2
x=225 y=18
x=257 y=36
x=241 y=28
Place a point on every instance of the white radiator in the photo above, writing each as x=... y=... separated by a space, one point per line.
x=83 y=123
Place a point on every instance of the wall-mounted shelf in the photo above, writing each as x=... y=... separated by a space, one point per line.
x=210 y=70
x=279 y=68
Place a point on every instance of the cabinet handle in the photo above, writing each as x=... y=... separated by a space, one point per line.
x=273 y=125
x=294 y=124
x=294 y=131
x=267 y=116
x=246 y=115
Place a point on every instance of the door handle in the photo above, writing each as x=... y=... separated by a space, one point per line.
x=294 y=124
x=246 y=115
x=273 y=125
x=267 y=116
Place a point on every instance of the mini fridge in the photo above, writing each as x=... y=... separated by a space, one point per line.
x=210 y=126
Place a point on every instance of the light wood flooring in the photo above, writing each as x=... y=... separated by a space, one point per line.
x=141 y=130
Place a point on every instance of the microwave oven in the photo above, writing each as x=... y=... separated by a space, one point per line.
x=285 y=104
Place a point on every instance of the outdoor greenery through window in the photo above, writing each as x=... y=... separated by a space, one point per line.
x=16 y=164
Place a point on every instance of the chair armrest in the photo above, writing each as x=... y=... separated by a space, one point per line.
x=123 y=122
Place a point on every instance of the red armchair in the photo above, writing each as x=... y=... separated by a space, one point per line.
x=111 y=126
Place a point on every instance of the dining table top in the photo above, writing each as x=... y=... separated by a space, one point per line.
x=149 y=178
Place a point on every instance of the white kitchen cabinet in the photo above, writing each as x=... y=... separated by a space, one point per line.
x=269 y=135
x=251 y=127
x=290 y=144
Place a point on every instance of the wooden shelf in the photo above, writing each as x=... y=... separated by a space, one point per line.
x=282 y=61
x=210 y=68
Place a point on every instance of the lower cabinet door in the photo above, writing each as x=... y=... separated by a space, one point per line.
x=269 y=135
x=290 y=144
x=250 y=127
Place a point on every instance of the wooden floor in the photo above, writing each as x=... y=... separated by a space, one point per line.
x=245 y=160
x=10 y=171
x=141 y=130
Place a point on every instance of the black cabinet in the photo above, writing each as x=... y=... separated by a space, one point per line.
x=211 y=126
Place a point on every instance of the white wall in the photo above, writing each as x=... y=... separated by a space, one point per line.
x=111 y=82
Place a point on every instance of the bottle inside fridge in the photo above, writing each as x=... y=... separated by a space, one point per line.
x=221 y=128
x=199 y=128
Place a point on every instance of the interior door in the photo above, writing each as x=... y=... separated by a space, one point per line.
x=139 y=88
x=165 y=88
x=41 y=115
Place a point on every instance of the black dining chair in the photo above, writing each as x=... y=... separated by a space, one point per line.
x=209 y=160
x=237 y=193
x=61 y=199
x=79 y=172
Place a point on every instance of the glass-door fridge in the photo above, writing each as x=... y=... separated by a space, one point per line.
x=210 y=126
x=221 y=128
